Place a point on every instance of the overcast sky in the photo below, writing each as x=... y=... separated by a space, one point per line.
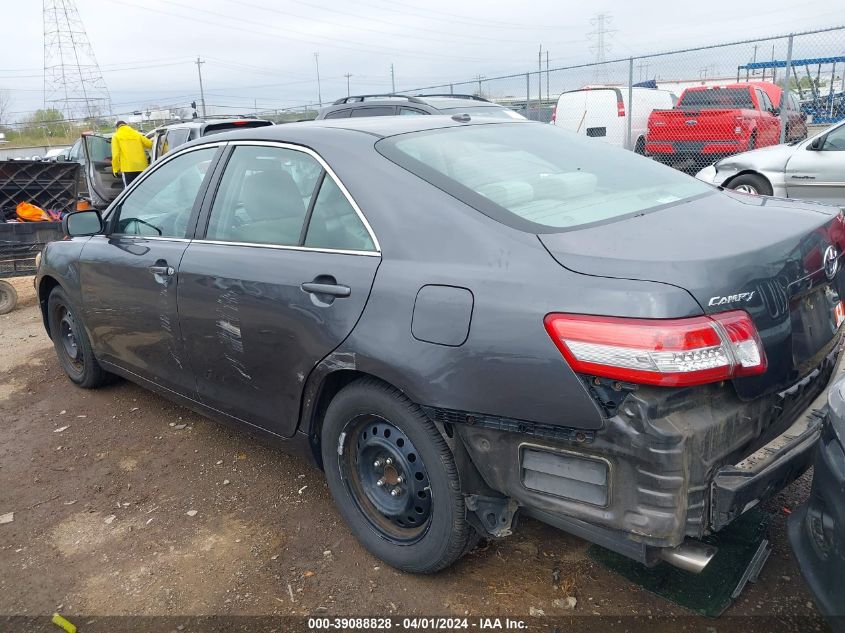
x=261 y=52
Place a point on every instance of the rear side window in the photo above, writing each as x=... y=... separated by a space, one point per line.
x=374 y=111
x=717 y=98
x=338 y=114
x=334 y=224
x=264 y=196
x=537 y=177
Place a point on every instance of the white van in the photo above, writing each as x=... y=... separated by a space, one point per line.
x=603 y=112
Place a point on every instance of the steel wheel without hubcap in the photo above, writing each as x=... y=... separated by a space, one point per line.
x=387 y=479
x=67 y=336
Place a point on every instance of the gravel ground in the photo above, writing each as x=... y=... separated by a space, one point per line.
x=125 y=504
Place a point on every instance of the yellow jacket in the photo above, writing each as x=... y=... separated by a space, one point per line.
x=127 y=150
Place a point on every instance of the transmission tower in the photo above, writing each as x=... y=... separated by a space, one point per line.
x=601 y=45
x=73 y=83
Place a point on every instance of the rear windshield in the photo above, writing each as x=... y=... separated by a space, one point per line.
x=537 y=177
x=497 y=112
x=718 y=98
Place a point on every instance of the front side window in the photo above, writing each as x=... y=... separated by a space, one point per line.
x=538 y=177
x=264 y=196
x=835 y=140
x=161 y=204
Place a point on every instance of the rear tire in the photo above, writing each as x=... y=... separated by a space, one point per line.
x=639 y=148
x=8 y=297
x=71 y=342
x=422 y=527
x=755 y=184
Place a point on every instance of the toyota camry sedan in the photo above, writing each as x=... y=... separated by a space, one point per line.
x=464 y=320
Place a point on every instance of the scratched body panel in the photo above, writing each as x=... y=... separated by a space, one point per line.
x=253 y=334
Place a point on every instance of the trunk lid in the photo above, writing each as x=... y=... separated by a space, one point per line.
x=693 y=125
x=772 y=258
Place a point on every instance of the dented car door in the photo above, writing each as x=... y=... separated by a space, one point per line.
x=130 y=273
x=278 y=282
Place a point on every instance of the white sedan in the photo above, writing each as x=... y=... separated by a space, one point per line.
x=812 y=169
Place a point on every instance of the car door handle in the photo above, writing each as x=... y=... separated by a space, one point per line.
x=166 y=271
x=334 y=290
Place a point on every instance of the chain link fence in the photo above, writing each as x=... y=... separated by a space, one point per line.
x=690 y=107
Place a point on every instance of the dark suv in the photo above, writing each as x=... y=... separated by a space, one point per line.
x=171 y=135
x=397 y=104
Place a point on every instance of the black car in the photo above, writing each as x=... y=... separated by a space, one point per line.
x=461 y=319
x=817 y=529
x=402 y=105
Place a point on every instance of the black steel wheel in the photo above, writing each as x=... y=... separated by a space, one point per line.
x=394 y=479
x=387 y=478
x=73 y=348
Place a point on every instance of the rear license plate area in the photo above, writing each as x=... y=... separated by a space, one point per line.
x=816 y=318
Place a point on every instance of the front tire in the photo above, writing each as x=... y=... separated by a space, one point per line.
x=71 y=342
x=754 y=184
x=394 y=479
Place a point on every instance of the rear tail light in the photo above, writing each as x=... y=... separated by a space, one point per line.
x=620 y=107
x=554 y=114
x=666 y=352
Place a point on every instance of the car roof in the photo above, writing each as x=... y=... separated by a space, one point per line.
x=381 y=127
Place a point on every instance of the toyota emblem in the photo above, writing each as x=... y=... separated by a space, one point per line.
x=830 y=262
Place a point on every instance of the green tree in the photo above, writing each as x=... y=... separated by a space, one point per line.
x=48 y=122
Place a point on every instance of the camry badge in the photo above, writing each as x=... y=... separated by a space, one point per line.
x=742 y=296
x=830 y=262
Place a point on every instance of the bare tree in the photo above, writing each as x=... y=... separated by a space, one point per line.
x=5 y=106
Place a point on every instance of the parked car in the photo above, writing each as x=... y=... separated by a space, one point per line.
x=604 y=113
x=450 y=317
x=170 y=136
x=817 y=528
x=395 y=104
x=813 y=169
x=57 y=154
x=711 y=122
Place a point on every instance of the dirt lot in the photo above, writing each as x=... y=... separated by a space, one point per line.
x=126 y=504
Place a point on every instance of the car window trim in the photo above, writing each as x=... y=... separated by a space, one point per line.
x=307 y=221
x=200 y=235
x=190 y=230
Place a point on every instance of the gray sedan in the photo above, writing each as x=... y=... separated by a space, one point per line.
x=461 y=319
x=812 y=169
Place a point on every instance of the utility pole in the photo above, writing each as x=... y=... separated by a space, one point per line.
x=347 y=75
x=754 y=60
x=392 y=80
x=643 y=65
x=319 y=91
x=548 y=92
x=479 y=78
x=540 y=75
x=199 y=64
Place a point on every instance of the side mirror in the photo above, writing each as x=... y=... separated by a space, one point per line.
x=61 y=158
x=82 y=223
x=817 y=143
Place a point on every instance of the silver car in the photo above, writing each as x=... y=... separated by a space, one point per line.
x=812 y=169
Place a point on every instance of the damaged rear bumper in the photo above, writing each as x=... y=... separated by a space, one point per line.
x=669 y=467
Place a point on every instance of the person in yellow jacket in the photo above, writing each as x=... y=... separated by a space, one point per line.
x=128 y=158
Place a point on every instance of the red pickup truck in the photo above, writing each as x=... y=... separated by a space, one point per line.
x=711 y=122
